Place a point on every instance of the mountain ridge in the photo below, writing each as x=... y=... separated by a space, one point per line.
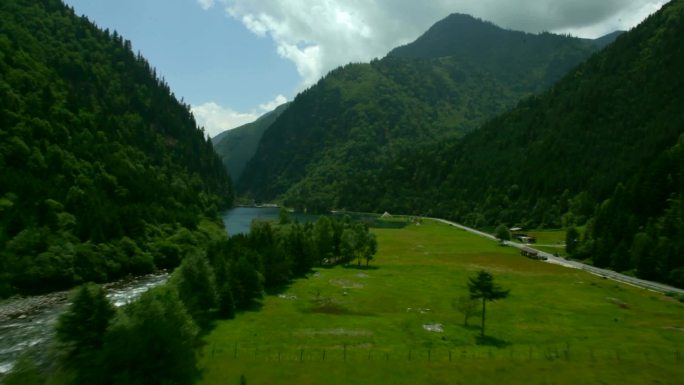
x=359 y=116
x=603 y=149
x=238 y=145
x=104 y=172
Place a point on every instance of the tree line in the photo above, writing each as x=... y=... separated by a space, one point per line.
x=154 y=339
x=328 y=150
x=600 y=151
x=103 y=172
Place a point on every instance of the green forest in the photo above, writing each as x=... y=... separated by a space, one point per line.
x=104 y=171
x=238 y=145
x=599 y=150
x=154 y=339
x=105 y=174
x=327 y=149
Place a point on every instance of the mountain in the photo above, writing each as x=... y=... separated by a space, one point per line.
x=603 y=149
x=607 y=39
x=237 y=146
x=326 y=149
x=103 y=173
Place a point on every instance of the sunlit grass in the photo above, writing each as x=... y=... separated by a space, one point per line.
x=365 y=326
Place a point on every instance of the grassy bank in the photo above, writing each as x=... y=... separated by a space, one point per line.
x=366 y=326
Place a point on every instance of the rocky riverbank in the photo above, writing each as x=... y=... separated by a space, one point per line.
x=27 y=323
x=25 y=307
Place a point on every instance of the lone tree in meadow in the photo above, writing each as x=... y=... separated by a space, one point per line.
x=502 y=233
x=483 y=286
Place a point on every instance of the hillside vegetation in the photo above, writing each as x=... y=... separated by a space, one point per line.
x=103 y=172
x=238 y=145
x=327 y=149
x=602 y=148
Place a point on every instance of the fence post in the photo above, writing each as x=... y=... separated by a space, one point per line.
x=301 y=355
x=323 y=354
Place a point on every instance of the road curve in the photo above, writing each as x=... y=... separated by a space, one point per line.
x=649 y=285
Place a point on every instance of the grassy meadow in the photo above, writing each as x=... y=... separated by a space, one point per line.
x=346 y=325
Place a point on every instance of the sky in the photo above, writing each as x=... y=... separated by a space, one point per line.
x=234 y=60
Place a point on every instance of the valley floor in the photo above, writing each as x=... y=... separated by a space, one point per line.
x=382 y=325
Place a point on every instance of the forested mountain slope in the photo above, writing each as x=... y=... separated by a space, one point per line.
x=103 y=172
x=237 y=146
x=327 y=148
x=603 y=147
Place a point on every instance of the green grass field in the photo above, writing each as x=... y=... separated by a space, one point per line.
x=365 y=326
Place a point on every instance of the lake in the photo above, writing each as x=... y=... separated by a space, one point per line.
x=239 y=219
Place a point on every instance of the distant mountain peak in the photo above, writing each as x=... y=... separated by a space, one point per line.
x=467 y=36
x=607 y=39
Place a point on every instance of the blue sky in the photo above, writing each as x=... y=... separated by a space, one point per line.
x=205 y=55
x=233 y=60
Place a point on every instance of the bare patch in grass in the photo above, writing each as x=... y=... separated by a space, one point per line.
x=435 y=328
x=346 y=284
x=325 y=305
x=417 y=310
x=618 y=302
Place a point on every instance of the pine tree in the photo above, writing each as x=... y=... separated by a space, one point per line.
x=483 y=287
x=81 y=328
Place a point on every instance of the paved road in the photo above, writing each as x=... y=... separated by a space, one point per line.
x=655 y=286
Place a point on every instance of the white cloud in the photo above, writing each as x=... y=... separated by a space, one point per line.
x=319 y=35
x=215 y=118
x=206 y=4
x=273 y=104
x=624 y=19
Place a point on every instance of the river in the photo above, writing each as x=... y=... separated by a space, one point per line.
x=27 y=324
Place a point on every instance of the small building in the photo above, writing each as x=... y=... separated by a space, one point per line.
x=527 y=239
x=517 y=233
